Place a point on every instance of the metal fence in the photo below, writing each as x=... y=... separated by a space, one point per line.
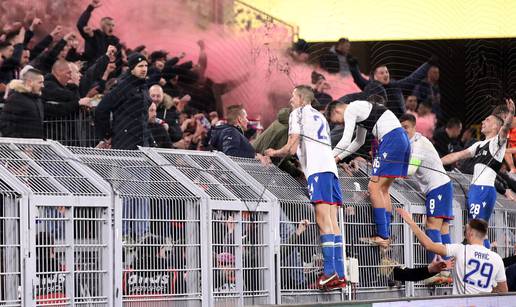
x=10 y=247
x=156 y=227
x=66 y=230
x=242 y=218
x=300 y=257
x=157 y=223
x=73 y=130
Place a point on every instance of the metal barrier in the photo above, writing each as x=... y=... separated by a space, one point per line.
x=375 y=265
x=242 y=234
x=11 y=264
x=68 y=236
x=157 y=227
x=158 y=251
x=300 y=257
x=73 y=130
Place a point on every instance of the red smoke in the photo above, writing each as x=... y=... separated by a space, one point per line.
x=257 y=56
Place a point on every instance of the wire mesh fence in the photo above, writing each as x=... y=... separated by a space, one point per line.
x=242 y=232
x=300 y=257
x=160 y=229
x=156 y=227
x=73 y=130
x=10 y=247
x=67 y=228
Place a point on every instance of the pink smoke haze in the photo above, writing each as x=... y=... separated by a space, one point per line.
x=257 y=59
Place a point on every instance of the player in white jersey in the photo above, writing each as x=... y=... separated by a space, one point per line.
x=477 y=269
x=391 y=159
x=309 y=138
x=427 y=168
x=487 y=156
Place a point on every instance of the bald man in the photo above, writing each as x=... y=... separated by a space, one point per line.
x=166 y=109
x=60 y=96
x=156 y=94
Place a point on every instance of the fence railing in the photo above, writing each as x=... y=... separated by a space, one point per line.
x=85 y=226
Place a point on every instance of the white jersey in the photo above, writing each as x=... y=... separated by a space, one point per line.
x=356 y=112
x=424 y=159
x=477 y=269
x=314 y=151
x=483 y=174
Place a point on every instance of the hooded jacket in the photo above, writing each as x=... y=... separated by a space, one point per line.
x=230 y=140
x=276 y=135
x=167 y=111
x=22 y=116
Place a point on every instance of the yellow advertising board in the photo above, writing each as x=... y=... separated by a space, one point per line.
x=378 y=20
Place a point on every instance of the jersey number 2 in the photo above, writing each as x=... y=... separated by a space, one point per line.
x=321 y=132
x=486 y=270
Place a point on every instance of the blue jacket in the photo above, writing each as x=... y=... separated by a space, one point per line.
x=231 y=141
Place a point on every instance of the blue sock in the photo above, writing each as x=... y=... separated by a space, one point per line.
x=446 y=239
x=435 y=236
x=327 y=243
x=381 y=223
x=487 y=244
x=339 y=260
x=388 y=219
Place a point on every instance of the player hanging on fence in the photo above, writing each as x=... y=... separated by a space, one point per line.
x=487 y=156
x=390 y=158
x=309 y=138
x=427 y=168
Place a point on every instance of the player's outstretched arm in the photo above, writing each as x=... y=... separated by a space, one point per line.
x=456 y=156
x=504 y=131
x=421 y=236
x=289 y=149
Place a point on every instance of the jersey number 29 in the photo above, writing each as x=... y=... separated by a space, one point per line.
x=486 y=270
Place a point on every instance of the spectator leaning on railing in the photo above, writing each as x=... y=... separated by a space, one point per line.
x=229 y=138
x=61 y=92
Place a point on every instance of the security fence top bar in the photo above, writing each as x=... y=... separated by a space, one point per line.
x=214 y=174
x=6 y=189
x=132 y=173
x=281 y=184
x=42 y=167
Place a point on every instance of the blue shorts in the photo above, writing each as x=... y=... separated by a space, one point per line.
x=481 y=201
x=324 y=188
x=439 y=202
x=392 y=158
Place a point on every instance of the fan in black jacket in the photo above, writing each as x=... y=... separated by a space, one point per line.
x=96 y=41
x=22 y=116
x=129 y=102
